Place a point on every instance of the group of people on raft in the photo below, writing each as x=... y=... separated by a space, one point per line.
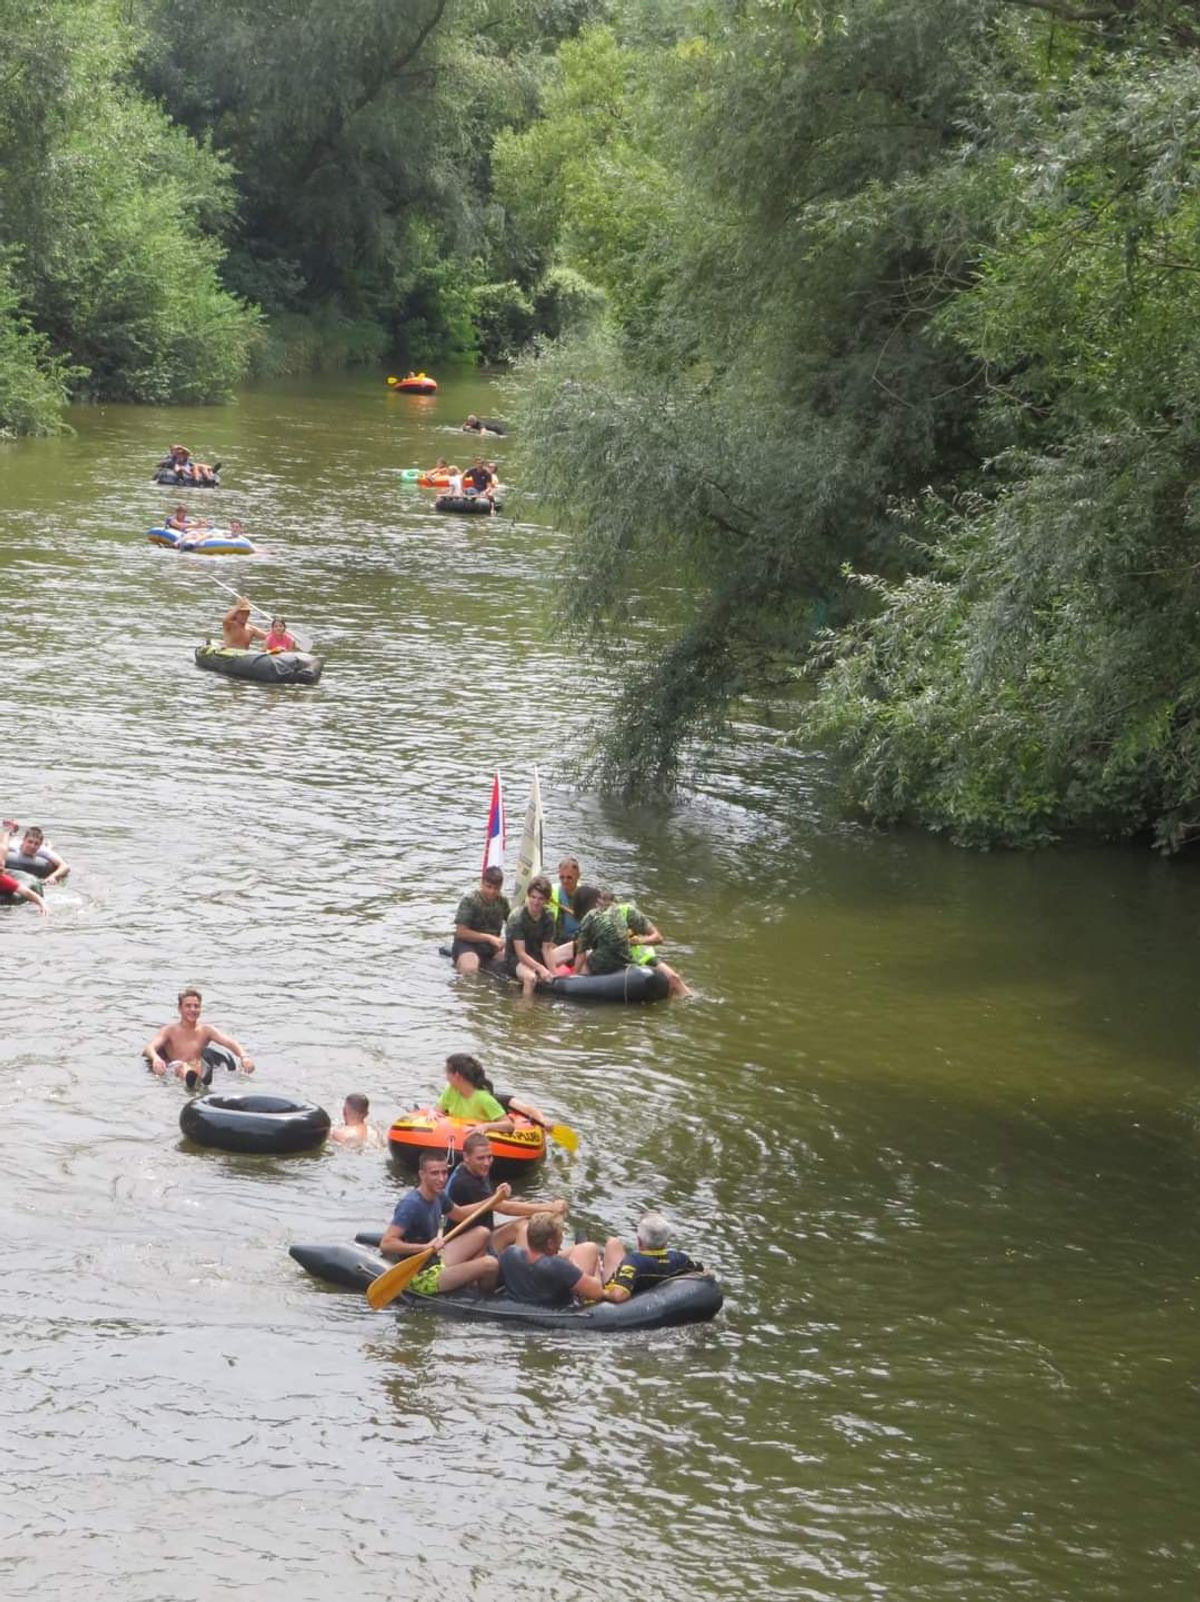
x=567 y=928
x=29 y=845
x=178 y=467
x=521 y=1252
x=239 y=634
x=478 y=479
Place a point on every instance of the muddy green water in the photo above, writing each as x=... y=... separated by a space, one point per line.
x=935 y=1118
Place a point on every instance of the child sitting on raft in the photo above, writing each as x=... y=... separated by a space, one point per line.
x=278 y=639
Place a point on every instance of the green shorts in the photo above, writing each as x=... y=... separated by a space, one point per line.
x=427 y=1281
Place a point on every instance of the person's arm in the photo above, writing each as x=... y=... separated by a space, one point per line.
x=60 y=868
x=590 y=1288
x=521 y=950
x=500 y=1194
x=27 y=894
x=479 y=936
x=521 y=1209
x=499 y=1119
x=231 y=1044
x=153 y=1051
x=649 y=936
x=255 y=632
x=393 y=1244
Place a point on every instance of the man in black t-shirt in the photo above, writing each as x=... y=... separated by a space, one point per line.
x=529 y=937
x=471 y=1183
x=538 y=1274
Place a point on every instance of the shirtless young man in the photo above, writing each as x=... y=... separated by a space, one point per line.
x=237 y=631
x=180 y=1046
x=354 y=1129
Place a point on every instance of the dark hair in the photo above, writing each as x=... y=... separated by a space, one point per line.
x=493 y=875
x=587 y=896
x=32 y=828
x=427 y=1157
x=471 y=1069
x=190 y=991
x=539 y=882
x=474 y=1140
x=358 y=1104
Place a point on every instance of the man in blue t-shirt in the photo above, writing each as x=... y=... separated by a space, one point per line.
x=418 y=1224
x=538 y=1274
x=625 y=1273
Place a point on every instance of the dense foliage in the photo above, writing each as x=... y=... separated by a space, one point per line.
x=858 y=333
x=107 y=219
x=901 y=297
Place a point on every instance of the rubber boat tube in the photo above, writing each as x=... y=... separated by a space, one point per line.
x=630 y=985
x=266 y=1125
x=263 y=667
x=464 y=505
x=202 y=542
x=173 y=480
x=421 y=385
x=29 y=880
x=688 y=1299
x=38 y=867
x=425 y=1129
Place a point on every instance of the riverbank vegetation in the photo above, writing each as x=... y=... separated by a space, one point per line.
x=896 y=393
x=862 y=330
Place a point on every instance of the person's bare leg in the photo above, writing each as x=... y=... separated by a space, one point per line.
x=467 y=962
x=675 y=983
x=585 y=1256
x=614 y=1253
x=480 y=1271
x=507 y=1235
x=527 y=976
x=466 y=1246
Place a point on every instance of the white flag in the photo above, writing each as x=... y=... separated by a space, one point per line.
x=529 y=858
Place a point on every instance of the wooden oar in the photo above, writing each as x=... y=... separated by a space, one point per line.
x=388 y=1285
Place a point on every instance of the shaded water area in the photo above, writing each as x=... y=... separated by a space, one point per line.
x=934 y=1117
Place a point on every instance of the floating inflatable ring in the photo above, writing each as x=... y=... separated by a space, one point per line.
x=267 y=1125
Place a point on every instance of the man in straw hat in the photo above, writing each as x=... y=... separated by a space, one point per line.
x=237 y=631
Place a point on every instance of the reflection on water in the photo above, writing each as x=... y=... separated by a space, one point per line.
x=933 y=1117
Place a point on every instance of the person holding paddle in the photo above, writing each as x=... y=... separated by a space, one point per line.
x=237 y=631
x=417 y=1230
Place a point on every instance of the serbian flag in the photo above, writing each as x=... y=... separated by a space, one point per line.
x=493 y=846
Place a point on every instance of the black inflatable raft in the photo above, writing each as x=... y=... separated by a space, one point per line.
x=629 y=986
x=263 y=667
x=690 y=1299
x=29 y=880
x=169 y=477
x=464 y=505
x=266 y=1125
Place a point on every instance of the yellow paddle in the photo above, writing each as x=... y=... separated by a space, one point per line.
x=392 y=380
x=564 y=1135
x=385 y=1287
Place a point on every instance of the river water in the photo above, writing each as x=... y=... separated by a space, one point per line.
x=933 y=1117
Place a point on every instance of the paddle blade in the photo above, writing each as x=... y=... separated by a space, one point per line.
x=565 y=1136
x=392 y=380
x=395 y=1280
